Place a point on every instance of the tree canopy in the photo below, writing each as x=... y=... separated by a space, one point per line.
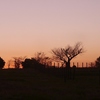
x=68 y=53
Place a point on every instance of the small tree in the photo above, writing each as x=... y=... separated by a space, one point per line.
x=42 y=58
x=27 y=63
x=18 y=61
x=98 y=62
x=67 y=54
x=32 y=63
x=2 y=63
x=39 y=56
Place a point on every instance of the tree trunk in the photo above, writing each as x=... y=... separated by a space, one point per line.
x=67 y=74
x=68 y=70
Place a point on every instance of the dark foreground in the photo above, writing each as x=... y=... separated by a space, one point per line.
x=29 y=84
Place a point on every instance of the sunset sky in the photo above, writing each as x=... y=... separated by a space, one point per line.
x=28 y=26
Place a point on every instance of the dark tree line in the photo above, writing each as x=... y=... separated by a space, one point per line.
x=64 y=55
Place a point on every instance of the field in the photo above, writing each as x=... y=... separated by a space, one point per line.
x=30 y=84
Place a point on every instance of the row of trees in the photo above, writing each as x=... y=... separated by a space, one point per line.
x=64 y=55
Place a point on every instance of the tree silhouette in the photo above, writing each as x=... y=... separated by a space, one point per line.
x=32 y=63
x=98 y=62
x=39 y=56
x=18 y=61
x=42 y=58
x=67 y=54
x=2 y=63
x=98 y=66
x=27 y=63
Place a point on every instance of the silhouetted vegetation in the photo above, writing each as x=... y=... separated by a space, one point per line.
x=98 y=66
x=2 y=63
x=27 y=63
x=38 y=80
x=18 y=61
x=98 y=62
x=32 y=63
x=66 y=55
x=42 y=58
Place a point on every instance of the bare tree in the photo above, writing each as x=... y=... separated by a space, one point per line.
x=42 y=58
x=67 y=54
x=39 y=56
x=9 y=63
x=18 y=61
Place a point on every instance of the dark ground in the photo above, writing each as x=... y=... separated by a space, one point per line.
x=29 y=84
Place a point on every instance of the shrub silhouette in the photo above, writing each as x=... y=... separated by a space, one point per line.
x=98 y=62
x=2 y=63
x=31 y=63
x=98 y=66
x=27 y=63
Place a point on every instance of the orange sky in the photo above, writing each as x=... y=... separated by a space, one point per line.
x=28 y=26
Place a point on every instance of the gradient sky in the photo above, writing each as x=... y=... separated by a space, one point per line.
x=28 y=26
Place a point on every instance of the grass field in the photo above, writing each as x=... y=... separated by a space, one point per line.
x=29 y=84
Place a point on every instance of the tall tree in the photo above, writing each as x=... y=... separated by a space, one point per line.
x=67 y=54
x=2 y=63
